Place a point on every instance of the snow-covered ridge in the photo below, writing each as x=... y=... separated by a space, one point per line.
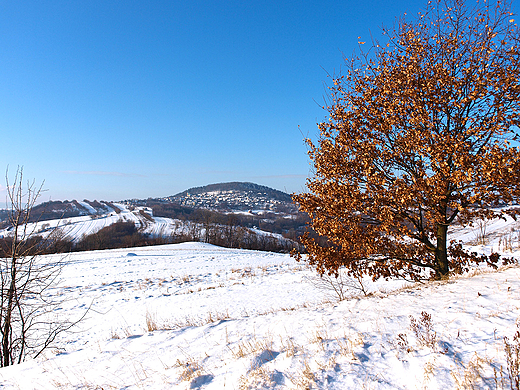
x=75 y=228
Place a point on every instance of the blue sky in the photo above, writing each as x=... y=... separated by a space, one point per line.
x=113 y=100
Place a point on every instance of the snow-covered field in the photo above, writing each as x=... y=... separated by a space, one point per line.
x=196 y=316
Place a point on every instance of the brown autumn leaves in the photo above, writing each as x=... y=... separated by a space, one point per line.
x=421 y=135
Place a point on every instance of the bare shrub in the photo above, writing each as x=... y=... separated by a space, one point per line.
x=423 y=330
x=342 y=285
x=481 y=234
x=402 y=344
x=28 y=320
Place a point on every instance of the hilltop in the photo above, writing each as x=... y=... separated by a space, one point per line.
x=234 y=197
x=245 y=187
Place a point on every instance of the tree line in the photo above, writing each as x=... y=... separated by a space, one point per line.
x=125 y=234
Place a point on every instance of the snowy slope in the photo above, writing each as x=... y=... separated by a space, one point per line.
x=236 y=319
x=75 y=228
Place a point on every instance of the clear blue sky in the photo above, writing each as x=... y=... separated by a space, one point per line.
x=112 y=100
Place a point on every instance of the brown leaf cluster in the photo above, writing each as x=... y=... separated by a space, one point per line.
x=422 y=134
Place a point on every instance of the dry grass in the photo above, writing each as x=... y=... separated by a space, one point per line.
x=246 y=272
x=73 y=378
x=319 y=336
x=259 y=378
x=289 y=346
x=114 y=335
x=86 y=385
x=346 y=345
x=211 y=317
x=480 y=371
x=471 y=376
x=190 y=368
x=428 y=371
x=253 y=345
x=512 y=351
x=305 y=379
x=151 y=322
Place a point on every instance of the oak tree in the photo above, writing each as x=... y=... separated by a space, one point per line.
x=421 y=134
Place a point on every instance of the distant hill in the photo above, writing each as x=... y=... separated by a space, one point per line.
x=64 y=209
x=244 y=204
x=234 y=197
x=245 y=187
x=67 y=209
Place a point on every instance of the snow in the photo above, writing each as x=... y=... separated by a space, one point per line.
x=75 y=228
x=231 y=319
x=90 y=209
x=264 y=233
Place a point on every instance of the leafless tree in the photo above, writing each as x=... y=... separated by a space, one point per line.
x=28 y=321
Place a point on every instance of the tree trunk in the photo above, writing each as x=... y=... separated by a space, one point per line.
x=7 y=325
x=9 y=296
x=441 y=252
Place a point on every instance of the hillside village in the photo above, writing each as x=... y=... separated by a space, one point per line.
x=230 y=200
x=235 y=196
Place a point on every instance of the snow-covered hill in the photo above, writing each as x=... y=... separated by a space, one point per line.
x=75 y=228
x=196 y=316
x=236 y=197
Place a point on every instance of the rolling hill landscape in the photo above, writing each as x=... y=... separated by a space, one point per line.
x=198 y=316
x=241 y=215
x=395 y=265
